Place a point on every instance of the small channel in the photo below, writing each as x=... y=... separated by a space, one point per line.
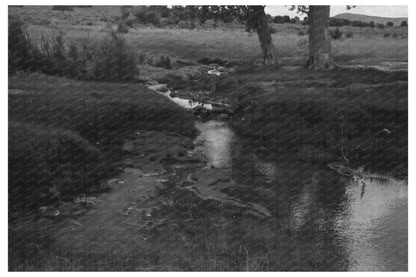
x=350 y=224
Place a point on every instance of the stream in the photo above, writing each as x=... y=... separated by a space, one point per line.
x=352 y=224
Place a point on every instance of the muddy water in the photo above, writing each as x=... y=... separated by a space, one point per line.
x=335 y=222
x=321 y=220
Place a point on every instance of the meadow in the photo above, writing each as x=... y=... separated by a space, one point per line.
x=230 y=42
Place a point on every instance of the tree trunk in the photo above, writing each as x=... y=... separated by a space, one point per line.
x=319 y=40
x=265 y=37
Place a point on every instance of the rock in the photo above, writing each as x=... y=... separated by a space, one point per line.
x=224 y=116
x=152 y=82
x=159 y=87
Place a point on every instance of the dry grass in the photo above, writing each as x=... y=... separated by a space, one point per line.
x=235 y=45
x=231 y=43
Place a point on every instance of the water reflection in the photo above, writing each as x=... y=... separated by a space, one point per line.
x=321 y=220
x=335 y=222
x=215 y=142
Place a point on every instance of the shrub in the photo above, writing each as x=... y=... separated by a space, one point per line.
x=109 y=59
x=380 y=25
x=153 y=18
x=372 y=25
x=43 y=168
x=20 y=49
x=122 y=28
x=113 y=60
x=389 y=24
x=164 y=62
x=335 y=34
x=386 y=35
x=125 y=12
x=63 y=8
x=301 y=33
x=349 y=35
x=278 y=19
x=147 y=16
x=404 y=23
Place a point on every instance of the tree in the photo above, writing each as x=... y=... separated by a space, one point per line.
x=319 y=39
x=320 y=56
x=257 y=20
x=278 y=19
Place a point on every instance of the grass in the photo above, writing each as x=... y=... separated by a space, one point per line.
x=239 y=46
x=54 y=117
x=233 y=44
x=325 y=113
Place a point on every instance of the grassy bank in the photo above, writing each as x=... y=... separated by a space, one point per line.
x=71 y=131
x=354 y=116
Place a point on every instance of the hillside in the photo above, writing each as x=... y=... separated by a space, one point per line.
x=367 y=18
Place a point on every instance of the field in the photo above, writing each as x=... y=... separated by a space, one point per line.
x=355 y=115
x=232 y=43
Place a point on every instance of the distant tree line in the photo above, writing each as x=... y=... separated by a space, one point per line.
x=338 y=22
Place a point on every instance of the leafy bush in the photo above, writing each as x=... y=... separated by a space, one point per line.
x=389 y=24
x=164 y=62
x=404 y=23
x=20 y=49
x=122 y=28
x=146 y=15
x=110 y=59
x=301 y=33
x=335 y=34
x=63 y=8
x=47 y=165
x=338 y=22
x=349 y=35
x=113 y=60
x=380 y=25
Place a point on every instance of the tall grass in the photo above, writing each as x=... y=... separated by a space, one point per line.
x=108 y=59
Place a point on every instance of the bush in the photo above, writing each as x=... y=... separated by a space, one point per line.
x=122 y=28
x=380 y=25
x=404 y=23
x=301 y=33
x=113 y=60
x=335 y=34
x=145 y=15
x=109 y=59
x=20 y=49
x=47 y=165
x=349 y=35
x=164 y=62
x=389 y=24
x=63 y=8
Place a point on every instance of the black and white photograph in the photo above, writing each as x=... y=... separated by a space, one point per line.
x=207 y=138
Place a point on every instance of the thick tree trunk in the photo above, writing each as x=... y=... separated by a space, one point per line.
x=319 y=39
x=265 y=37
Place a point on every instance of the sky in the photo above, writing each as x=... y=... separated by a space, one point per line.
x=384 y=11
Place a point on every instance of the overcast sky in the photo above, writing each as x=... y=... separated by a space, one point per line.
x=385 y=11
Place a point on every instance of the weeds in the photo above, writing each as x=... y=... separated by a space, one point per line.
x=109 y=59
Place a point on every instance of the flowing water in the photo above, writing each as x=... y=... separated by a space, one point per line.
x=358 y=225
x=324 y=221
